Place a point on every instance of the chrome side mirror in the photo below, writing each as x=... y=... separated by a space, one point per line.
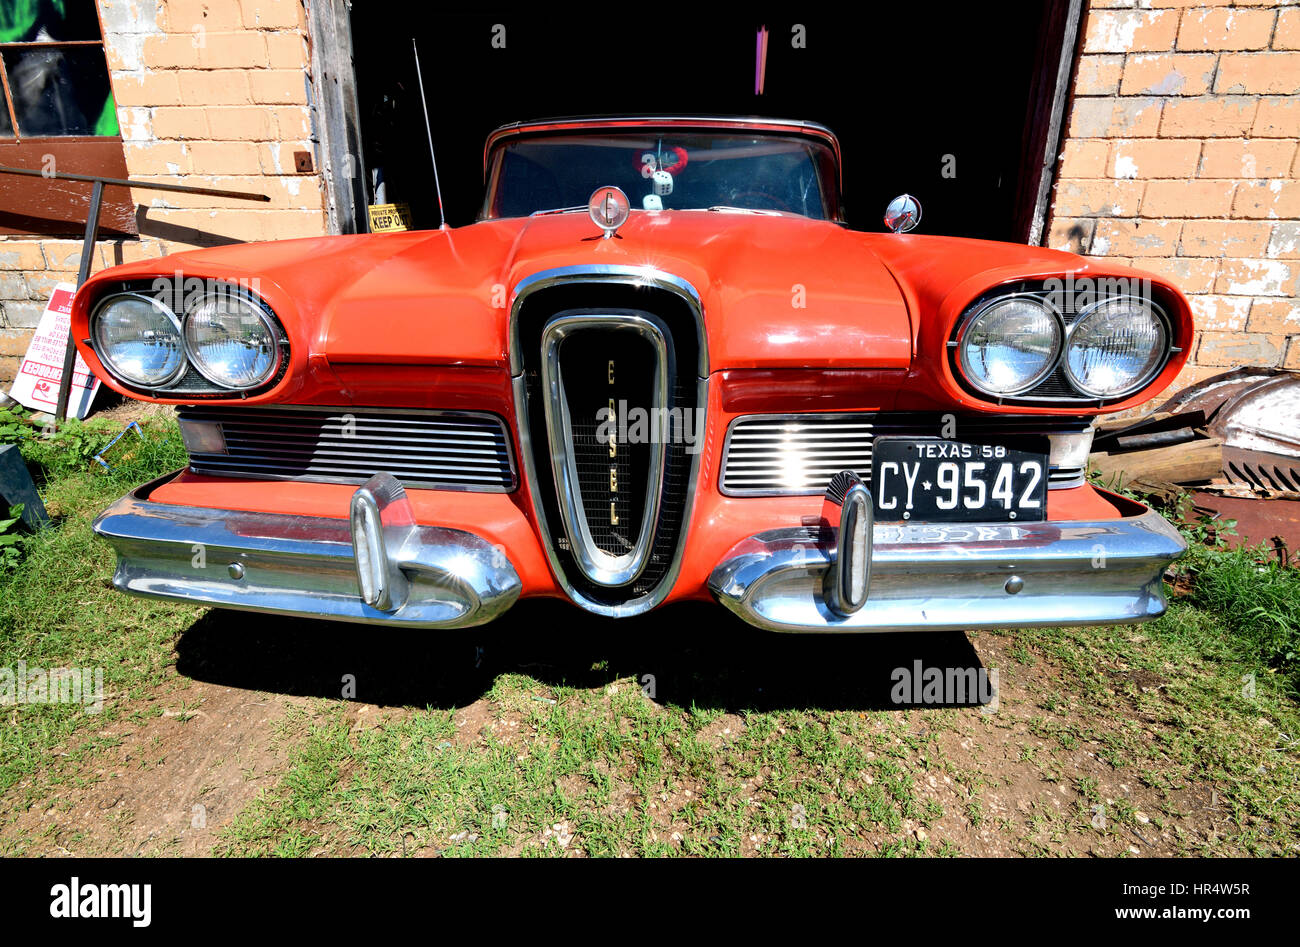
x=903 y=213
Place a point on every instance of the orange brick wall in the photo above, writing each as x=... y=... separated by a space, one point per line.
x=211 y=93
x=1180 y=157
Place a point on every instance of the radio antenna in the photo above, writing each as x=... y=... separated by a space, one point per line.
x=428 y=128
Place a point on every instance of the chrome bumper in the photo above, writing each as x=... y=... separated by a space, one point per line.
x=300 y=565
x=958 y=577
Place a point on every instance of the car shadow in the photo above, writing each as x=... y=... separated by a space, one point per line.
x=685 y=654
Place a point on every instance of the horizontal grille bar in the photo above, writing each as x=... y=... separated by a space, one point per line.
x=431 y=449
x=798 y=454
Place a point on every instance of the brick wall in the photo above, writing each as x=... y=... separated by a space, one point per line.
x=1180 y=157
x=210 y=93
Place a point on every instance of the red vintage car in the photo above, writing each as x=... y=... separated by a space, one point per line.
x=658 y=367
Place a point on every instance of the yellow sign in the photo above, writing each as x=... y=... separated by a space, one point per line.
x=387 y=218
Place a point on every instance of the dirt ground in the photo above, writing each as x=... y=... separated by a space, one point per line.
x=171 y=782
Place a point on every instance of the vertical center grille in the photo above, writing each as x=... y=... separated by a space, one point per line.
x=608 y=396
x=600 y=369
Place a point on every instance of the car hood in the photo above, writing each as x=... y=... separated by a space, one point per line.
x=776 y=291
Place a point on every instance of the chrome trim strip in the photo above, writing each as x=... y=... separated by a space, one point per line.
x=298 y=565
x=599 y=566
x=958 y=576
x=645 y=276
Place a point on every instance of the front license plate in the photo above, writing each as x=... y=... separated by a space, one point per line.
x=928 y=479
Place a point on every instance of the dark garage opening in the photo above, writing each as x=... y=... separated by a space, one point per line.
x=944 y=105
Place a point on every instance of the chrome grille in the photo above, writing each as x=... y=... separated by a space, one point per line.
x=450 y=450
x=798 y=454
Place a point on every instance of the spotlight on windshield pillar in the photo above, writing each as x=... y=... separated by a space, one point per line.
x=848 y=505
x=903 y=213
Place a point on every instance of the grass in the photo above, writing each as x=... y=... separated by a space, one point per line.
x=1175 y=736
x=57 y=607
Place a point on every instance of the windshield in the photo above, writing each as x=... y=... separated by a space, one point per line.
x=668 y=170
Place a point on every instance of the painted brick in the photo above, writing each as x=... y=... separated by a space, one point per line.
x=1125 y=31
x=1084 y=158
x=13 y=286
x=1255 y=158
x=1277 y=118
x=182 y=16
x=225 y=157
x=14 y=342
x=149 y=88
x=1188 y=198
x=1115 y=118
x=1274 y=317
x=1285 y=242
x=21 y=255
x=1154 y=158
x=253 y=123
x=1187 y=273
x=277 y=156
x=1098 y=198
x=157 y=157
x=1256 y=278
x=1287 y=33
x=1224 y=238
x=291 y=122
x=1130 y=237
x=1098 y=75
x=1220 y=313
x=40 y=286
x=16 y=314
x=272 y=14
x=1074 y=236
x=243 y=50
x=214 y=87
x=1275 y=198
x=183 y=122
x=63 y=254
x=1168 y=74
x=1234 y=349
x=286 y=50
x=171 y=52
x=1225 y=117
x=1225 y=29
x=1261 y=73
x=278 y=86
x=1293 y=354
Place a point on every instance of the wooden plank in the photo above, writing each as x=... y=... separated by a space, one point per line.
x=1178 y=463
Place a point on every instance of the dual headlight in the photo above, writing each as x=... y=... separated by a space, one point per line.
x=1015 y=343
x=228 y=338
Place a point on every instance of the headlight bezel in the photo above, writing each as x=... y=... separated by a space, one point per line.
x=190 y=383
x=1161 y=319
x=1057 y=389
x=983 y=309
x=263 y=314
x=103 y=350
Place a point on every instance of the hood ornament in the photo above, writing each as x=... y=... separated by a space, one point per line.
x=609 y=209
